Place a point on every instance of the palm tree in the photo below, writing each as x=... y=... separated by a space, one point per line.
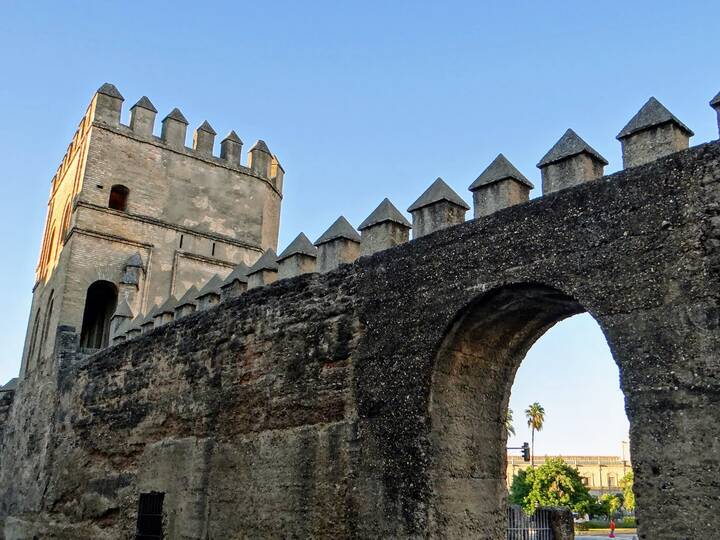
x=509 y=428
x=535 y=415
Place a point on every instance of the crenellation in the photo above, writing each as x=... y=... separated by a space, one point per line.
x=204 y=139
x=329 y=384
x=147 y=323
x=384 y=228
x=437 y=208
x=123 y=314
x=209 y=295
x=260 y=159
x=187 y=304
x=571 y=161
x=264 y=271
x=277 y=173
x=231 y=149
x=142 y=117
x=165 y=313
x=174 y=129
x=652 y=133
x=299 y=257
x=338 y=245
x=499 y=186
x=236 y=283
x=107 y=105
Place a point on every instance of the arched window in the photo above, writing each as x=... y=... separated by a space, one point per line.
x=118 y=197
x=100 y=304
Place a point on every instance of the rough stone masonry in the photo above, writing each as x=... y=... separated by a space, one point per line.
x=368 y=401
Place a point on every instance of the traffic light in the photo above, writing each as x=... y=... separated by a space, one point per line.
x=526 y=451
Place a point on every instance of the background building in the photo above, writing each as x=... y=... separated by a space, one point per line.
x=601 y=474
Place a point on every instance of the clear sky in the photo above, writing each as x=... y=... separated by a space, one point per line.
x=360 y=100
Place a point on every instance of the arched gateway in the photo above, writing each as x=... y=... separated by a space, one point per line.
x=367 y=402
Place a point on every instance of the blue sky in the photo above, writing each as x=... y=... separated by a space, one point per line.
x=360 y=100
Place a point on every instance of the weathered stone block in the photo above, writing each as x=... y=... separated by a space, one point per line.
x=383 y=229
x=437 y=208
x=142 y=117
x=652 y=133
x=570 y=162
x=499 y=186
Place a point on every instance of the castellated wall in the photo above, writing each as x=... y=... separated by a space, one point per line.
x=189 y=215
x=369 y=401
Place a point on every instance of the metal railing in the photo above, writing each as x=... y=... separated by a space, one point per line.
x=524 y=527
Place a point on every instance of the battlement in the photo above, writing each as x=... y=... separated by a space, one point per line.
x=368 y=400
x=651 y=134
x=106 y=110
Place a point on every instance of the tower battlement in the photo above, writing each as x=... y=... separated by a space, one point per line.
x=135 y=218
x=106 y=110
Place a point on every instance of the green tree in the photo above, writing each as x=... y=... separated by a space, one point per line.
x=509 y=428
x=535 y=415
x=555 y=483
x=628 y=495
x=609 y=504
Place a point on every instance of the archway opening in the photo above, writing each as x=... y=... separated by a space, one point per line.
x=474 y=373
x=571 y=381
x=119 y=195
x=100 y=304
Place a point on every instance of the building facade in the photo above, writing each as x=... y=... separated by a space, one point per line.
x=137 y=217
x=601 y=474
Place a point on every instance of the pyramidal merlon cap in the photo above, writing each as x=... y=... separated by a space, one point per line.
x=499 y=169
x=168 y=306
x=268 y=261
x=340 y=229
x=123 y=310
x=239 y=273
x=205 y=126
x=715 y=102
x=652 y=114
x=211 y=287
x=145 y=103
x=385 y=212
x=261 y=146
x=300 y=246
x=188 y=297
x=570 y=144
x=175 y=114
x=438 y=191
x=110 y=90
x=232 y=136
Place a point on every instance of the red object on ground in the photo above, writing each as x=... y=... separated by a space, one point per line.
x=612 y=529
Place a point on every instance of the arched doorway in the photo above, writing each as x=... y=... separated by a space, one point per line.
x=100 y=304
x=474 y=372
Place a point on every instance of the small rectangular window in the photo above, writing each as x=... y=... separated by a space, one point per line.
x=182 y=237
x=213 y=249
x=150 y=513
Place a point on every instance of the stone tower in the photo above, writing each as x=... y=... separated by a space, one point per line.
x=134 y=219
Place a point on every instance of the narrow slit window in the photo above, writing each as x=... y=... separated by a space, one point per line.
x=118 y=198
x=182 y=237
x=150 y=516
x=213 y=249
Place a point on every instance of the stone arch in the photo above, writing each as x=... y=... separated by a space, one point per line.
x=100 y=303
x=472 y=378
